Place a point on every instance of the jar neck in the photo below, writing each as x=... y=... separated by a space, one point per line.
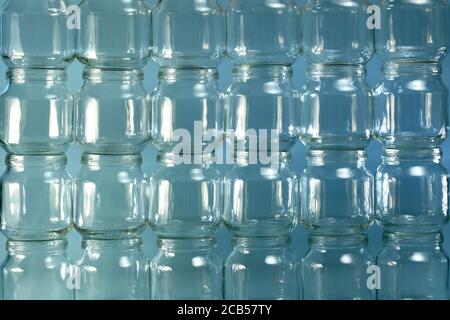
x=326 y=157
x=396 y=156
x=253 y=243
x=186 y=244
x=169 y=74
x=317 y=241
x=95 y=75
x=245 y=158
x=419 y=69
x=19 y=162
x=336 y=71
x=36 y=247
x=96 y=161
x=102 y=246
x=416 y=239
x=278 y=73
x=171 y=159
x=26 y=75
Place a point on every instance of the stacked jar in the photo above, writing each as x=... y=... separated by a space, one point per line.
x=35 y=130
x=262 y=124
x=411 y=122
x=185 y=189
x=336 y=126
x=112 y=115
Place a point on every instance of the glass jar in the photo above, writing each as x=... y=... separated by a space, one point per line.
x=261 y=269
x=260 y=99
x=411 y=106
x=114 y=269
x=114 y=34
x=336 y=268
x=336 y=32
x=111 y=198
x=263 y=32
x=413 y=267
x=186 y=269
x=36 y=198
x=112 y=112
x=35 y=34
x=185 y=198
x=37 y=270
x=188 y=33
x=337 y=108
x=413 y=30
x=336 y=192
x=36 y=112
x=412 y=191
x=184 y=109
x=261 y=200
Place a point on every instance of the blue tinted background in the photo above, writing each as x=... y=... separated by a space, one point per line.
x=299 y=239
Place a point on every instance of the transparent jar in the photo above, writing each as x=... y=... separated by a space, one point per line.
x=36 y=198
x=114 y=34
x=336 y=192
x=36 y=34
x=337 y=268
x=411 y=106
x=114 y=269
x=261 y=269
x=188 y=33
x=36 y=112
x=185 y=104
x=261 y=200
x=112 y=112
x=413 y=267
x=413 y=30
x=263 y=32
x=337 y=32
x=37 y=270
x=412 y=191
x=260 y=99
x=186 y=269
x=337 y=111
x=186 y=198
x=111 y=198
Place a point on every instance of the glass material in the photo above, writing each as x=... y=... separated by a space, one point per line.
x=113 y=270
x=36 y=34
x=336 y=110
x=336 y=32
x=130 y=24
x=413 y=30
x=185 y=198
x=110 y=196
x=188 y=33
x=413 y=267
x=260 y=200
x=336 y=268
x=263 y=32
x=112 y=112
x=37 y=270
x=186 y=269
x=411 y=106
x=36 y=112
x=336 y=192
x=261 y=269
x=36 y=197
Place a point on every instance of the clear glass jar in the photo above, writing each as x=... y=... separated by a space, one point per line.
x=114 y=269
x=336 y=268
x=36 y=198
x=35 y=34
x=112 y=112
x=336 y=192
x=413 y=267
x=261 y=97
x=263 y=32
x=111 y=198
x=186 y=269
x=261 y=269
x=184 y=99
x=413 y=30
x=114 y=34
x=411 y=106
x=36 y=112
x=37 y=270
x=412 y=191
x=185 y=198
x=188 y=33
x=336 y=32
x=261 y=200
x=337 y=108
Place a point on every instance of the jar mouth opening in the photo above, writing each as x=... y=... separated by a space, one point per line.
x=348 y=240
x=334 y=70
x=113 y=74
x=13 y=160
x=18 y=246
x=247 y=71
x=112 y=243
x=395 y=69
x=186 y=244
x=321 y=157
x=411 y=154
x=187 y=73
x=255 y=242
x=22 y=75
x=110 y=159
x=412 y=239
